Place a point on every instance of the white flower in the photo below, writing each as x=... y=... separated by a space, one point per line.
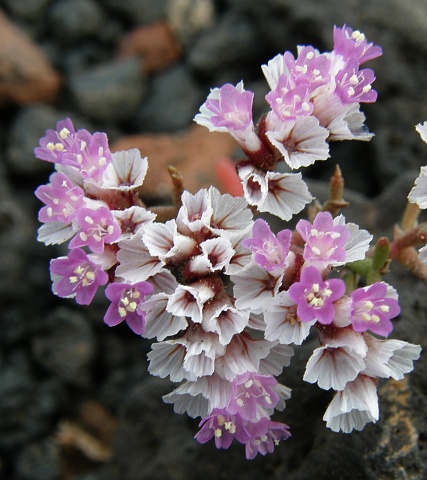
x=390 y=358
x=282 y=323
x=132 y=220
x=135 y=262
x=281 y=194
x=338 y=361
x=159 y=322
x=301 y=141
x=358 y=243
x=254 y=287
x=126 y=171
x=353 y=407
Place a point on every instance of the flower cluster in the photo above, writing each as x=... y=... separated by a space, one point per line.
x=224 y=297
x=314 y=98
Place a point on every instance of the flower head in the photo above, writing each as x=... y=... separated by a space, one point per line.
x=353 y=44
x=97 y=228
x=77 y=276
x=372 y=309
x=315 y=296
x=62 y=199
x=324 y=240
x=125 y=303
x=270 y=251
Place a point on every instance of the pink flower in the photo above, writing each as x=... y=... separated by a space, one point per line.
x=62 y=199
x=125 y=302
x=97 y=228
x=270 y=251
x=324 y=240
x=354 y=85
x=372 y=309
x=77 y=276
x=264 y=435
x=88 y=153
x=251 y=391
x=353 y=44
x=56 y=142
x=315 y=297
x=223 y=426
x=289 y=101
x=229 y=109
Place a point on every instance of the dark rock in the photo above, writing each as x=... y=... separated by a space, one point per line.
x=171 y=103
x=73 y=20
x=137 y=12
x=230 y=43
x=40 y=460
x=109 y=92
x=26 y=9
x=64 y=345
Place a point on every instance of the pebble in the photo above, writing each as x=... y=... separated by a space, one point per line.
x=26 y=75
x=155 y=44
x=197 y=146
x=139 y=12
x=171 y=102
x=74 y=20
x=110 y=92
x=40 y=460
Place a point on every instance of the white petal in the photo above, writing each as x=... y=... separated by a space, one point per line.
x=54 y=233
x=333 y=368
x=230 y=215
x=274 y=68
x=354 y=406
x=135 y=262
x=287 y=195
x=254 y=287
x=279 y=357
x=418 y=194
x=159 y=322
x=126 y=171
x=167 y=358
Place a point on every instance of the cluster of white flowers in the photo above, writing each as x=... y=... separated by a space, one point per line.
x=224 y=297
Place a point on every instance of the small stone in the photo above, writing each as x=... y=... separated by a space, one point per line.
x=40 y=460
x=26 y=75
x=65 y=346
x=26 y=9
x=139 y=12
x=173 y=100
x=188 y=18
x=194 y=154
x=109 y=92
x=155 y=43
x=230 y=42
x=74 y=20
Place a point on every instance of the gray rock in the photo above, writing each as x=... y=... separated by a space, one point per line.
x=171 y=103
x=74 y=20
x=231 y=43
x=139 y=12
x=26 y=9
x=40 y=460
x=109 y=92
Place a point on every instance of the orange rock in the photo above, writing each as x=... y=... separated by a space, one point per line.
x=194 y=154
x=26 y=75
x=155 y=43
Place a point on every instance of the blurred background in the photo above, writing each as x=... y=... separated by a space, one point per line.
x=76 y=402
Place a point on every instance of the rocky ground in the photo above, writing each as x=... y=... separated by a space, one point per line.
x=76 y=402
